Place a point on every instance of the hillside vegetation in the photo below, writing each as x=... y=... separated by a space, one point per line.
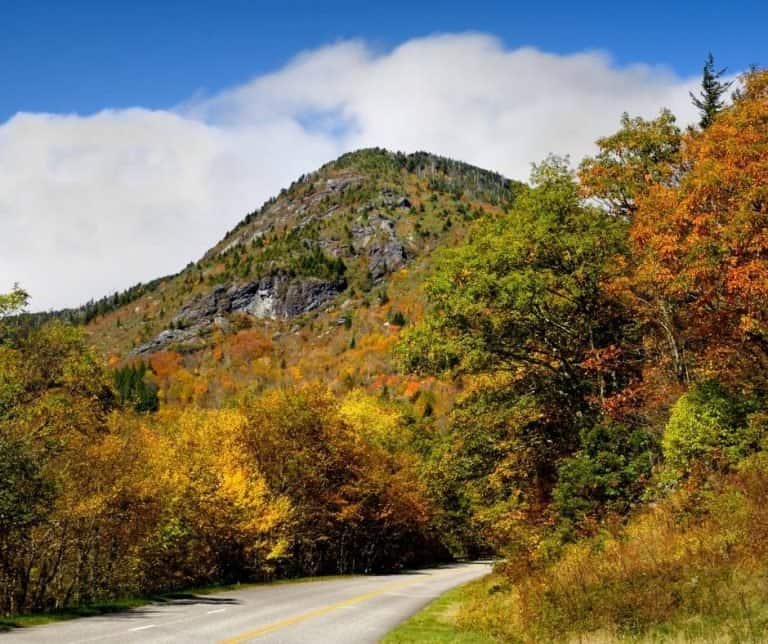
x=243 y=419
x=403 y=359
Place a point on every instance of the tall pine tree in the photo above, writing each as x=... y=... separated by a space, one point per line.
x=710 y=99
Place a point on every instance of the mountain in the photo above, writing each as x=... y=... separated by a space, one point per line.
x=317 y=281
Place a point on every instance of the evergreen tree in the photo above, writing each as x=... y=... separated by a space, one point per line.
x=134 y=390
x=710 y=98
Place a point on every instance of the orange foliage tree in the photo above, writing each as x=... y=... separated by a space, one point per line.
x=701 y=246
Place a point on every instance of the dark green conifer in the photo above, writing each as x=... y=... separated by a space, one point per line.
x=710 y=99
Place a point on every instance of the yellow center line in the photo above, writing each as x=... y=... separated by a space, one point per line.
x=324 y=610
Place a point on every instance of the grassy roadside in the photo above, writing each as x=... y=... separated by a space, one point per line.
x=100 y=608
x=120 y=605
x=437 y=622
x=492 y=607
x=491 y=614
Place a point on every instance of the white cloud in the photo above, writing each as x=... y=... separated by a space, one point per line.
x=90 y=204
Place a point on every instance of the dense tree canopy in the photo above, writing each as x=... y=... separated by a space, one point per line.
x=520 y=307
x=641 y=154
x=699 y=248
x=524 y=292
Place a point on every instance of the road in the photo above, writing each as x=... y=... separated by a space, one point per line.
x=345 y=610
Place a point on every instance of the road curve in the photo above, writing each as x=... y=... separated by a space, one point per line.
x=345 y=610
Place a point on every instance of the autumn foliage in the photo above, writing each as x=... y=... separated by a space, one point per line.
x=700 y=246
x=102 y=501
x=685 y=429
x=574 y=381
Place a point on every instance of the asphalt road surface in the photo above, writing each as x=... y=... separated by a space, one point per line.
x=349 y=609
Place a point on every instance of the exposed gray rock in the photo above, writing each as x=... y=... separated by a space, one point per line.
x=306 y=295
x=385 y=256
x=282 y=213
x=341 y=183
x=277 y=297
x=378 y=240
x=391 y=198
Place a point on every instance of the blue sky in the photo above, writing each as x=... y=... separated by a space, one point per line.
x=133 y=135
x=85 y=55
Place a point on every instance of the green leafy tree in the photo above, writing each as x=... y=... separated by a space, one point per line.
x=26 y=494
x=54 y=403
x=642 y=153
x=13 y=302
x=607 y=475
x=519 y=308
x=525 y=291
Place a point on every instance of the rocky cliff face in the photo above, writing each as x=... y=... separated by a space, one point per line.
x=275 y=297
x=378 y=242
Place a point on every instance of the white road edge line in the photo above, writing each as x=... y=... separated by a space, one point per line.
x=219 y=610
x=142 y=628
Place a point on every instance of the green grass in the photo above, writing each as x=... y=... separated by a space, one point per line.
x=437 y=623
x=736 y=626
x=120 y=605
x=101 y=608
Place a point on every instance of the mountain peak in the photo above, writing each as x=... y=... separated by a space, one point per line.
x=339 y=232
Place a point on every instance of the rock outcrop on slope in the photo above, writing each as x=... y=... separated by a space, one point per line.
x=377 y=240
x=275 y=297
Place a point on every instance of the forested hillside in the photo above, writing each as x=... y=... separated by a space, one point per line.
x=403 y=359
x=244 y=419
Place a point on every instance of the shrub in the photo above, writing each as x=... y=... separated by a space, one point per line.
x=669 y=575
x=606 y=475
x=708 y=426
